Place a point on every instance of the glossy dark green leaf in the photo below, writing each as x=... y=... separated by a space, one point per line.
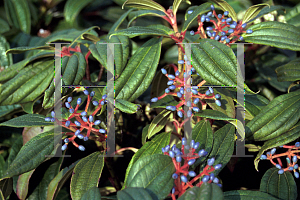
x=144 y=4
x=267 y=10
x=14 y=150
x=253 y=11
x=27 y=120
x=135 y=14
x=6 y=187
x=33 y=153
x=136 y=78
x=293 y=15
x=152 y=147
x=86 y=174
x=255 y=103
x=2 y=165
x=145 y=133
x=17 y=50
x=72 y=9
x=285 y=138
x=126 y=106
x=268 y=33
x=223 y=146
x=158 y=123
x=18 y=14
x=92 y=193
x=136 y=193
x=153 y=172
x=5 y=60
x=213 y=114
x=207 y=191
x=119 y=21
x=276 y=118
x=282 y=186
x=73 y=69
x=29 y=84
x=289 y=71
x=226 y=7
x=4 y=110
x=247 y=195
x=203 y=8
x=4 y=26
x=158 y=29
x=22 y=185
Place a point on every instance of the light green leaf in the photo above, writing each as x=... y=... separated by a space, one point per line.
x=247 y=195
x=4 y=110
x=213 y=114
x=86 y=174
x=207 y=191
x=27 y=120
x=158 y=123
x=144 y=4
x=22 y=185
x=267 y=10
x=203 y=8
x=226 y=7
x=72 y=9
x=126 y=106
x=276 y=118
x=289 y=71
x=135 y=14
x=92 y=193
x=136 y=193
x=253 y=11
x=176 y=5
x=293 y=16
x=275 y=34
x=158 y=29
x=18 y=50
x=282 y=186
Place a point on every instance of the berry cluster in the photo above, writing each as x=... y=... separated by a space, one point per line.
x=176 y=88
x=83 y=121
x=291 y=155
x=225 y=30
x=183 y=161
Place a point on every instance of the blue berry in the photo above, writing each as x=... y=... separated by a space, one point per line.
x=52 y=119
x=208 y=33
x=91 y=118
x=263 y=157
x=227 y=40
x=77 y=133
x=192 y=161
x=172 y=87
x=212 y=176
x=201 y=152
x=183 y=178
x=234 y=22
x=77 y=123
x=69 y=99
x=203 y=18
x=155 y=99
x=167 y=90
x=79 y=101
x=232 y=26
x=190 y=12
x=228 y=20
x=207 y=93
x=170 y=82
x=183 y=141
x=226 y=13
x=211 y=161
x=196 y=109
x=84 y=119
x=218 y=102
x=230 y=31
x=194 y=91
x=212 y=7
x=218 y=166
x=207 y=19
x=81 y=148
x=178 y=159
x=66 y=140
x=173 y=147
x=223 y=20
x=196 y=146
x=167 y=148
x=179 y=113
x=179 y=94
x=104 y=96
x=95 y=103
x=211 y=90
x=209 y=14
x=220 y=16
x=220 y=185
x=192 y=143
x=86 y=138
x=189 y=103
x=295 y=158
x=174 y=176
x=297 y=144
x=169 y=107
x=209 y=28
x=213 y=34
x=67 y=105
x=80 y=136
x=296 y=174
x=196 y=100
x=241 y=38
x=192 y=174
x=92 y=93
x=192 y=32
x=280 y=171
x=273 y=151
x=52 y=113
x=217 y=96
x=223 y=33
x=278 y=166
x=173 y=190
x=249 y=31
x=83 y=113
x=189 y=113
x=177 y=73
x=171 y=76
x=67 y=124
x=48 y=119
x=223 y=38
x=291 y=168
x=181 y=62
x=97 y=122
x=86 y=92
x=205 y=178
x=64 y=147
x=296 y=166
x=171 y=154
x=217 y=37
x=288 y=160
x=244 y=25
x=163 y=150
x=216 y=180
x=102 y=131
x=163 y=71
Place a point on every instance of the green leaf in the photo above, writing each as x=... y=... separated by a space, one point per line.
x=18 y=50
x=223 y=146
x=28 y=85
x=267 y=10
x=126 y=106
x=33 y=153
x=203 y=8
x=73 y=69
x=289 y=71
x=15 y=148
x=4 y=110
x=158 y=123
x=27 y=120
x=135 y=14
x=2 y=166
x=145 y=133
x=275 y=34
x=18 y=14
x=144 y=4
x=5 y=60
x=72 y=9
x=176 y=5
x=158 y=29
x=136 y=193
x=276 y=118
x=213 y=114
x=285 y=138
x=86 y=174
x=136 y=78
x=226 y=7
x=293 y=16
x=119 y=22
x=22 y=185
x=282 y=186
x=6 y=187
x=92 y=193
x=255 y=103
x=4 y=26
x=253 y=11
x=152 y=147
x=153 y=172
x=166 y=101
x=207 y=191
x=247 y=195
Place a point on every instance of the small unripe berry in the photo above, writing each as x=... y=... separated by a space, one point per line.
x=67 y=124
x=67 y=105
x=190 y=12
x=81 y=148
x=48 y=119
x=174 y=176
x=102 y=131
x=64 y=147
x=192 y=174
x=95 y=103
x=226 y=13
x=86 y=92
x=249 y=31
x=69 y=99
x=280 y=171
x=183 y=178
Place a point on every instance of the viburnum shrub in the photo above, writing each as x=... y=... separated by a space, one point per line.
x=143 y=99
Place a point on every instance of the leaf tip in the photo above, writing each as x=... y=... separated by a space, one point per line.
x=124 y=4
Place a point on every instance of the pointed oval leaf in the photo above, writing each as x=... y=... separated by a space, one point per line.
x=126 y=106
x=136 y=78
x=27 y=120
x=136 y=193
x=22 y=185
x=289 y=71
x=275 y=34
x=33 y=153
x=72 y=9
x=285 y=138
x=226 y=7
x=18 y=14
x=276 y=118
x=92 y=193
x=158 y=29
x=267 y=10
x=293 y=13
x=86 y=174
x=144 y=4
x=135 y=14
x=247 y=195
x=152 y=147
x=18 y=50
x=199 y=10
x=119 y=21
x=6 y=187
x=153 y=172
x=4 y=26
x=16 y=147
x=158 y=123
x=282 y=186
x=213 y=114
x=255 y=103
x=253 y=11
x=207 y=191
x=74 y=69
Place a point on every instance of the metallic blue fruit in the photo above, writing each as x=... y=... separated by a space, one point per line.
x=196 y=146
x=102 y=131
x=278 y=166
x=79 y=101
x=173 y=190
x=212 y=176
x=228 y=20
x=179 y=94
x=86 y=92
x=177 y=73
x=196 y=100
x=288 y=160
x=52 y=119
x=209 y=14
x=84 y=119
x=167 y=148
x=296 y=174
x=170 y=82
x=296 y=166
x=171 y=76
x=205 y=178
x=179 y=113
x=192 y=143
x=181 y=62
x=83 y=113
x=174 y=176
x=209 y=28
x=216 y=180
x=67 y=105
x=192 y=32
x=77 y=123
x=85 y=138
x=171 y=154
x=201 y=152
x=104 y=96
x=183 y=141
x=220 y=16
x=95 y=103
x=189 y=113
x=297 y=144
x=172 y=87
x=194 y=91
x=155 y=99
x=244 y=25
x=208 y=33
x=227 y=40
x=218 y=96
x=211 y=90
x=52 y=113
x=77 y=132
x=217 y=37
x=196 y=109
x=230 y=31
x=207 y=92
x=249 y=31
x=178 y=159
x=281 y=171
x=207 y=19
x=64 y=147
x=167 y=90
x=203 y=18
x=81 y=148
x=213 y=34
x=295 y=159
x=226 y=13
x=67 y=124
x=241 y=38
x=163 y=150
x=97 y=122
x=234 y=22
x=211 y=161
x=48 y=119
x=80 y=136
x=163 y=71
x=223 y=38
x=183 y=178
x=291 y=168
x=181 y=90
x=273 y=151
x=212 y=7
x=192 y=174
x=223 y=33
x=218 y=166
x=91 y=118
x=69 y=99
x=232 y=26
x=92 y=93
x=218 y=102
x=192 y=161
x=66 y=140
